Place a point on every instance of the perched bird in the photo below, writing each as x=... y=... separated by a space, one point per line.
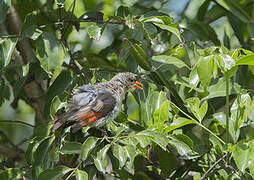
x=97 y=104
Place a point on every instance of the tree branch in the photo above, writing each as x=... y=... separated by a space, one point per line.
x=208 y=172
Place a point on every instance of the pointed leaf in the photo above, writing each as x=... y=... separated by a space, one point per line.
x=100 y=163
x=49 y=52
x=88 y=146
x=234 y=8
x=240 y=155
x=71 y=148
x=7 y=47
x=245 y=60
x=29 y=28
x=54 y=174
x=95 y=31
x=161 y=115
x=169 y=60
x=171 y=28
x=81 y=175
x=205 y=70
x=139 y=55
x=120 y=154
x=179 y=122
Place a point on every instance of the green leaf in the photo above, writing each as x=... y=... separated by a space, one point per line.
x=161 y=115
x=55 y=173
x=179 y=122
x=203 y=31
x=131 y=154
x=33 y=145
x=240 y=155
x=49 y=52
x=29 y=28
x=205 y=70
x=182 y=148
x=81 y=175
x=235 y=9
x=104 y=151
x=11 y=174
x=158 y=138
x=158 y=19
x=171 y=28
x=95 y=31
x=196 y=109
x=40 y=156
x=71 y=148
x=167 y=161
x=245 y=60
x=120 y=154
x=239 y=113
x=139 y=55
x=250 y=158
x=143 y=140
x=7 y=47
x=88 y=146
x=169 y=60
x=4 y=6
x=60 y=84
x=226 y=62
x=218 y=89
x=100 y=163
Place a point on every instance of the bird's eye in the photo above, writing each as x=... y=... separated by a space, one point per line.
x=131 y=80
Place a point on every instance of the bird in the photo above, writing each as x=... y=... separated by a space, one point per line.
x=96 y=105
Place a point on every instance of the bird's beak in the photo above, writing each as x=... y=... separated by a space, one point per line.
x=136 y=85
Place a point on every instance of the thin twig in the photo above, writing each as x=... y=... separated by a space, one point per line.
x=212 y=167
x=64 y=22
x=18 y=122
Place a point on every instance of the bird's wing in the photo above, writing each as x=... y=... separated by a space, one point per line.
x=87 y=105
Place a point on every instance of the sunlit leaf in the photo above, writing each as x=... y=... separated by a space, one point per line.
x=179 y=122
x=161 y=115
x=95 y=31
x=240 y=156
x=139 y=55
x=54 y=174
x=100 y=163
x=171 y=28
x=205 y=70
x=88 y=146
x=81 y=175
x=245 y=60
x=182 y=148
x=29 y=28
x=7 y=47
x=120 y=154
x=158 y=138
x=71 y=148
x=169 y=60
x=10 y=173
x=196 y=109
x=131 y=154
x=49 y=52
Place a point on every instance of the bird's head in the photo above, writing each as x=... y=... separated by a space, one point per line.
x=127 y=80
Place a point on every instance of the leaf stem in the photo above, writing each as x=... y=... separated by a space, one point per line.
x=198 y=123
x=227 y=101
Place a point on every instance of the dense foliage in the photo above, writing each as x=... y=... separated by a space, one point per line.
x=192 y=120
